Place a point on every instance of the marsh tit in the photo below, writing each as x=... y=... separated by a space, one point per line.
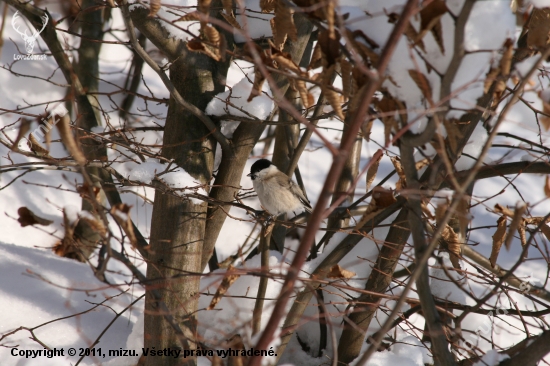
x=277 y=192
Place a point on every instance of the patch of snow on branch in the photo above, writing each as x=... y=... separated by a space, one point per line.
x=489 y=25
x=146 y=171
x=177 y=178
x=170 y=12
x=539 y=3
x=473 y=148
x=234 y=102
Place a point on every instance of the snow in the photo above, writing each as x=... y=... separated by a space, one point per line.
x=444 y=287
x=180 y=179
x=256 y=25
x=175 y=178
x=488 y=26
x=170 y=12
x=473 y=149
x=234 y=101
x=539 y=3
x=43 y=287
x=407 y=352
x=525 y=66
x=146 y=171
x=491 y=358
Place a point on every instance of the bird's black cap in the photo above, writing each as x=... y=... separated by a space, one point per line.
x=259 y=165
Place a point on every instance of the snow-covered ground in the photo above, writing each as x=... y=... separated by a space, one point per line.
x=60 y=304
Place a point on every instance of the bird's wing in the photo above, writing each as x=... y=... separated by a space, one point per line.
x=298 y=192
x=295 y=189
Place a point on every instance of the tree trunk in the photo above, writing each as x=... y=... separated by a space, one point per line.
x=178 y=225
x=87 y=70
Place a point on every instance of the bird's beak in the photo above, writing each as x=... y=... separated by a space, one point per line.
x=249 y=175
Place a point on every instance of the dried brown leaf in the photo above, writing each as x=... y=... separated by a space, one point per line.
x=422 y=82
x=231 y=20
x=328 y=9
x=330 y=48
x=437 y=32
x=333 y=99
x=316 y=57
x=24 y=127
x=430 y=20
x=338 y=272
x=305 y=96
x=27 y=217
x=412 y=36
x=491 y=77
x=346 y=68
x=547 y=186
x=227 y=281
x=522 y=235
x=154 y=7
x=360 y=34
x=121 y=213
x=421 y=164
x=373 y=169
x=204 y=6
x=366 y=127
x=68 y=246
x=383 y=197
x=36 y=147
x=463 y=214
x=402 y=183
x=282 y=25
x=63 y=126
x=84 y=191
x=533 y=220
x=196 y=45
x=189 y=17
x=257 y=85
x=228 y=6
x=506 y=60
x=453 y=133
x=285 y=62
x=504 y=210
x=517 y=221
x=212 y=35
x=539 y=28
x=498 y=240
x=267 y=6
x=368 y=55
x=453 y=245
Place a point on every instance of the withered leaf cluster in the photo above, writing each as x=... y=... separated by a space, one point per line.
x=505 y=231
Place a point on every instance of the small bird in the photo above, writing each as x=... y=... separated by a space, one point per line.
x=277 y=192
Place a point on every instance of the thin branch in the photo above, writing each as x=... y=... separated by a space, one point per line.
x=215 y=130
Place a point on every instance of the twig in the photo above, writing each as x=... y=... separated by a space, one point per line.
x=262 y=287
x=334 y=172
x=109 y=325
x=216 y=132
